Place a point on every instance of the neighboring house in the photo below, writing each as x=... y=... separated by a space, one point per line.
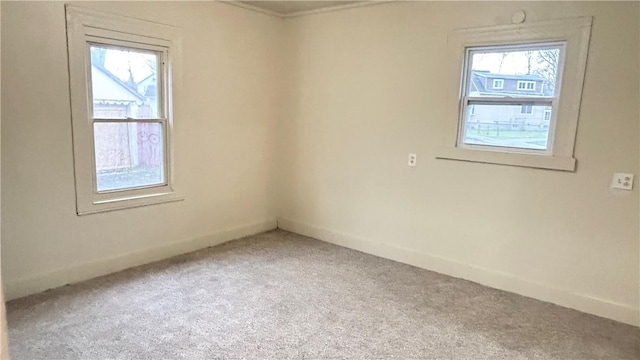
x=112 y=97
x=148 y=87
x=515 y=117
x=122 y=145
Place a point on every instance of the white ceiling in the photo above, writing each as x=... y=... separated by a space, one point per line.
x=291 y=7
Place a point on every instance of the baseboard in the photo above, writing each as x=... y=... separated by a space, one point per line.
x=484 y=276
x=41 y=282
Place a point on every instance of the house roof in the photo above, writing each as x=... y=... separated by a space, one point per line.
x=148 y=86
x=478 y=79
x=508 y=76
x=109 y=89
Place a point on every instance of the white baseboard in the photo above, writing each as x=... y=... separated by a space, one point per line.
x=484 y=276
x=41 y=282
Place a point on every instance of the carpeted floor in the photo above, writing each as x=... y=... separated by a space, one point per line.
x=279 y=295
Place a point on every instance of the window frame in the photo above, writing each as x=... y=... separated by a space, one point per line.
x=162 y=118
x=84 y=29
x=467 y=100
x=575 y=34
x=501 y=81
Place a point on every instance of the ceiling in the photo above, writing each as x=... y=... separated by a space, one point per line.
x=292 y=7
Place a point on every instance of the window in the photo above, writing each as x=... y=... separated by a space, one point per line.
x=128 y=118
x=526 y=109
x=543 y=66
x=529 y=85
x=121 y=77
x=498 y=83
x=510 y=121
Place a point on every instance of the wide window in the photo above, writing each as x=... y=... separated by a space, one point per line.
x=122 y=73
x=527 y=85
x=511 y=117
x=530 y=117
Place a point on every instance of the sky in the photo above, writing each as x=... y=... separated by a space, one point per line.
x=118 y=62
x=514 y=63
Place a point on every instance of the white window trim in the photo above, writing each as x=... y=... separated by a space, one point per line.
x=499 y=81
x=86 y=26
x=575 y=33
x=525 y=84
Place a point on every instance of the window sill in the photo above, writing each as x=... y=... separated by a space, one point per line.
x=506 y=158
x=96 y=207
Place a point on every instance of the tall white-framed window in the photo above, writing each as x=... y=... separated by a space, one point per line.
x=514 y=128
x=122 y=72
x=498 y=83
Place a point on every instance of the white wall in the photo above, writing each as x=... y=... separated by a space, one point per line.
x=366 y=89
x=225 y=116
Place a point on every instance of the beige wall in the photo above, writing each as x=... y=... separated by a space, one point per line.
x=327 y=152
x=4 y=349
x=366 y=89
x=225 y=116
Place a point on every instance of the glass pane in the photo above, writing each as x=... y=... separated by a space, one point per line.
x=124 y=83
x=506 y=72
x=518 y=126
x=128 y=155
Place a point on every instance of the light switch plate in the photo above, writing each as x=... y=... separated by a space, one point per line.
x=622 y=181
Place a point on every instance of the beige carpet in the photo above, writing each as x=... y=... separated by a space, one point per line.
x=283 y=296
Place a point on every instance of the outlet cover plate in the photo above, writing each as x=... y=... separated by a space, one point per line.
x=622 y=181
x=413 y=159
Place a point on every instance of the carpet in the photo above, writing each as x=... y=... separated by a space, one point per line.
x=279 y=295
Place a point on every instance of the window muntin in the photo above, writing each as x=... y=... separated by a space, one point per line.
x=521 y=111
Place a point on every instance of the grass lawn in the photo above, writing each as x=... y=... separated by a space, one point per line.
x=509 y=134
x=129 y=177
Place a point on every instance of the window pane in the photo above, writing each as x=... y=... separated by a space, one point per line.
x=517 y=126
x=128 y=155
x=124 y=83
x=523 y=72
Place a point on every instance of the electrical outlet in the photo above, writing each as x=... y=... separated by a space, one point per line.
x=413 y=158
x=622 y=181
